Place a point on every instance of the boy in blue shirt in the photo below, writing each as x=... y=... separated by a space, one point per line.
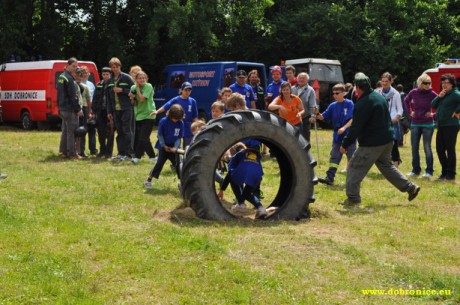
x=189 y=106
x=244 y=89
x=340 y=113
x=244 y=176
x=170 y=132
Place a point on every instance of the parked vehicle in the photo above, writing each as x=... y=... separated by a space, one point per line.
x=207 y=79
x=325 y=72
x=29 y=91
x=451 y=65
x=1 y=110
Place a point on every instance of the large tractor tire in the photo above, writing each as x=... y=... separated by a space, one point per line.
x=292 y=151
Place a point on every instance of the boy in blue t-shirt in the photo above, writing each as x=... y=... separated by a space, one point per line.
x=189 y=106
x=340 y=113
x=244 y=176
x=170 y=133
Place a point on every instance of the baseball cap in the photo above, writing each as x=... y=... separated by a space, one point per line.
x=276 y=69
x=106 y=69
x=241 y=73
x=186 y=85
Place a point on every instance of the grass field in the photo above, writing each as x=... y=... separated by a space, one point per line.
x=86 y=232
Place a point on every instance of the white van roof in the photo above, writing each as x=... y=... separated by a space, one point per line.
x=312 y=61
x=35 y=65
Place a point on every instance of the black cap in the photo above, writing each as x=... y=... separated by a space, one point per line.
x=241 y=73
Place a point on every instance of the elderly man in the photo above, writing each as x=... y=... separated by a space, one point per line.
x=69 y=109
x=373 y=128
x=241 y=87
x=307 y=94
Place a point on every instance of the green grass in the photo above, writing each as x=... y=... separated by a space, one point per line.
x=86 y=232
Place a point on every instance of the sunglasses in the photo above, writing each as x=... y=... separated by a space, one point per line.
x=336 y=93
x=426 y=83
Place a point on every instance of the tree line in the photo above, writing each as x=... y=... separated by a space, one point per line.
x=403 y=37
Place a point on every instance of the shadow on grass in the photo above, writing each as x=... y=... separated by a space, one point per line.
x=186 y=216
x=52 y=158
x=370 y=209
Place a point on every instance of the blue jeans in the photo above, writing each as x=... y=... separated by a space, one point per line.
x=416 y=132
x=245 y=193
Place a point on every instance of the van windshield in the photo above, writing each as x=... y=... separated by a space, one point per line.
x=328 y=73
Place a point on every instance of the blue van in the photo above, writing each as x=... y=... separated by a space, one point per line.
x=207 y=78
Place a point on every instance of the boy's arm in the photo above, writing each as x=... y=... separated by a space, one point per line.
x=345 y=127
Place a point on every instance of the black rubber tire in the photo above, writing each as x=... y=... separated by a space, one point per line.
x=26 y=121
x=297 y=176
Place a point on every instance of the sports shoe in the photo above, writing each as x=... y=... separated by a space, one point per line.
x=413 y=192
x=3 y=176
x=148 y=184
x=125 y=158
x=349 y=202
x=412 y=174
x=241 y=208
x=428 y=176
x=325 y=181
x=135 y=160
x=261 y=212
x=153 y=160
x=117 y=158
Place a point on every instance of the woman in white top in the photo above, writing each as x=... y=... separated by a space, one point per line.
x=396 y=110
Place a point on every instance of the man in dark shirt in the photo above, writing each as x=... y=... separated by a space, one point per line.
x=104 y=126
x=69 y=109
x=374 y=131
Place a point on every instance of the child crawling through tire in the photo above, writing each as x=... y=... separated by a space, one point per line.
x=244 y=176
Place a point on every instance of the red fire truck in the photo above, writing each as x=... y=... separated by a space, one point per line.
x=29 y=91
x=451 y=66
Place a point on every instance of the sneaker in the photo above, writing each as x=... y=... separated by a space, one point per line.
x=117 y=158
x=148 y=184
x=412 y=174
x=413 y=192
x=441 y=178
x=428 y=176
x=75 y=157
x=241 y=208
x=325 y=181
x=135 y=160
x=3 y=176
x=153 y=160
x=261 y=212
x=349 y=202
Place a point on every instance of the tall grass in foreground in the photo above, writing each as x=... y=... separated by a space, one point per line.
x=86 y=232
